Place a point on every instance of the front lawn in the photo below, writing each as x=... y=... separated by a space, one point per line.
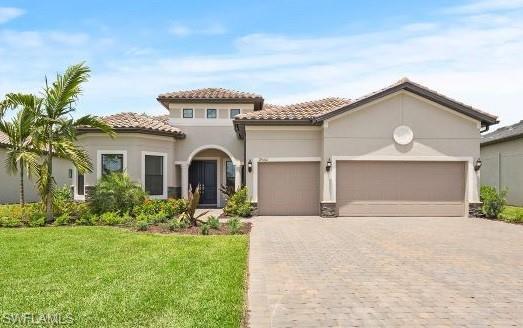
x=112 y=277
x=512 y=214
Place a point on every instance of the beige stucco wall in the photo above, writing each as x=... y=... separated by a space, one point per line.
x=281 y=141
x=10 y=185
x=503 y=168
x=200 y=137
x=133 y=144
x=369 y=131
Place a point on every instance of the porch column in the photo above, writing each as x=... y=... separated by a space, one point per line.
x=237 y=176
x=185 y=180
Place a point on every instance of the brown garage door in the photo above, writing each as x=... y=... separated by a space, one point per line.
x=288 y=188
x=380 y=188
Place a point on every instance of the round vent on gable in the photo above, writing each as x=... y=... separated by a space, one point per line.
x=403 y=135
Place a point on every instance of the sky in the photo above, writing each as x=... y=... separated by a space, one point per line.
x=287 y=51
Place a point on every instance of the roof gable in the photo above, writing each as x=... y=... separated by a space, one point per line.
x=419 y=90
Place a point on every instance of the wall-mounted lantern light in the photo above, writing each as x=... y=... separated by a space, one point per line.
x=329 y=165
x=249 y=166
x=477 y=165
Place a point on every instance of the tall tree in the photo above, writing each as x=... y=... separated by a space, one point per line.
x=56 y=128
x=22 y=156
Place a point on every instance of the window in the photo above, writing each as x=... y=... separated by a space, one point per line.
x=154 y=175
x=80 y=184
x=112 y=163
x=229 y=174
x=234 y=112
x=187 y=113
x=211 y=113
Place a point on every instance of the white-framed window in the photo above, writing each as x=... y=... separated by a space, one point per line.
x=188 y=113
x=234 y=112
x=154 y=174
x=110 y=161
x=212 y=113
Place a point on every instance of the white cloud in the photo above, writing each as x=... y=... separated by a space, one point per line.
x=183 y=30
x=486 y=6
x=9 y=13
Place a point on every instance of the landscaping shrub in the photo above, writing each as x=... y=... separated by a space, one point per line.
x=142 y=225
x=493 y=201
x=10 y=222
x=234 y=225
x=238 y=204
x=117 y=193
x=111 y=218
x=512 y=214
x=11 y=215
x=170 y=207
x=64 y=219
x=213 y=222
x=204 y=228
x=36 y=219
x=63 y=201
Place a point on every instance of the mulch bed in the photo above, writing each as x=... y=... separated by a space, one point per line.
x=223 y=230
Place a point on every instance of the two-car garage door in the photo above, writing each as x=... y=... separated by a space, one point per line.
x=392 y=188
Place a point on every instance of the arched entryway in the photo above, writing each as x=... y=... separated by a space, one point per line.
x=211 y=167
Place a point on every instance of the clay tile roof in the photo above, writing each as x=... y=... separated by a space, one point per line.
x=140 y=123
x=299 y=111
x=209 y=93
x=504 y=133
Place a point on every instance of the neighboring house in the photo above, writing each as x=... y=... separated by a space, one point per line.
x=502 y=157
x=402 y=151
x=10 y=184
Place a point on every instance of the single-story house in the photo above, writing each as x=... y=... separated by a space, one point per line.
x=404 y=150
x=502 y=161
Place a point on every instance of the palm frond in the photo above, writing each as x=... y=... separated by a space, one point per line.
x=94 y=122
x=62 y=94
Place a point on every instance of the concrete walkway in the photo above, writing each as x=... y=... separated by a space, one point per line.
x=312 y=272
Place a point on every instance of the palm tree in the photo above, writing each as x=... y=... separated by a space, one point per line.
x=22 y=156
x=56 y=129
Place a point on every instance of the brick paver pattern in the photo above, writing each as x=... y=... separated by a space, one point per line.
x=385 y=272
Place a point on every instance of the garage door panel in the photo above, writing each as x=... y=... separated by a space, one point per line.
x=288 y=188
x=380 y=188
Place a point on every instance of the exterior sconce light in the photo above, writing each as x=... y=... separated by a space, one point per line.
x=329 y=165
x=249 y=166
x=477 y=165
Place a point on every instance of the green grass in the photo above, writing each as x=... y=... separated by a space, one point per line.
x=512 y=214
x=109 y=277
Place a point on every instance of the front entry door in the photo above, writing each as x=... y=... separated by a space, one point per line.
x=204 y=173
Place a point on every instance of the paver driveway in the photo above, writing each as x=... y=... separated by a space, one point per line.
x=312 y=272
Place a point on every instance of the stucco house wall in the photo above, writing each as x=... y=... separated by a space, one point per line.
x=281 y=142
x=10 y=184
x=133 y=144
x=503 y=168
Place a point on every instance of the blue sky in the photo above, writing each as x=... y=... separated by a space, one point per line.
x=287 y=51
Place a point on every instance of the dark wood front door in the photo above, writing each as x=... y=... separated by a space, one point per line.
x=204 y=173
